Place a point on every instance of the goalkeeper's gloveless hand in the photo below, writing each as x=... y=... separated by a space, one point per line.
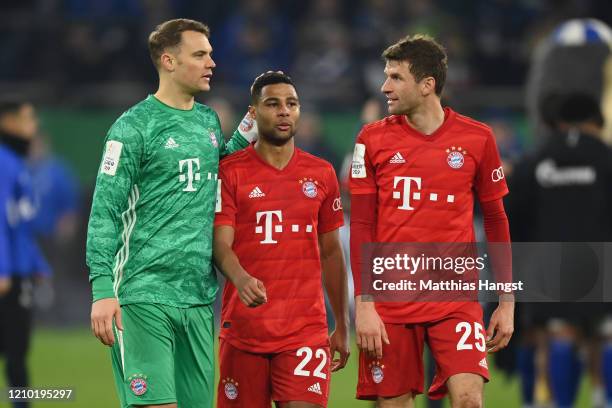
x=103 y=312
x=248 y=127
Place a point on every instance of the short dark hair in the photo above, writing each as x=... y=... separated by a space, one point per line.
x=573 y=108
x=268 y=78
x=11 y=104
x=425 y=56
x=168 y=34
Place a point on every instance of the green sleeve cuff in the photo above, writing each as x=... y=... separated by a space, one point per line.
x=237 y=142
x=102 y=287
x=240 y=139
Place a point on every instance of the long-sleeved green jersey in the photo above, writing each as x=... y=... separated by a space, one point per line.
x=150 y=231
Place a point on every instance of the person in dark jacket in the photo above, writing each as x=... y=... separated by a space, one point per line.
x=563 y=193
x=21 y=262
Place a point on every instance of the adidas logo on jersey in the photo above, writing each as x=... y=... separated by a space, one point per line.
x=171 y=144
x=397 y=158
x=316 y=388
x=256 y=193
x=483 y=363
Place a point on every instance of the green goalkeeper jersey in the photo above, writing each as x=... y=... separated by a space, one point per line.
x=150 y=231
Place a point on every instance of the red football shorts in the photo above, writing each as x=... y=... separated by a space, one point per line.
x=254 y=380
x=457 y=343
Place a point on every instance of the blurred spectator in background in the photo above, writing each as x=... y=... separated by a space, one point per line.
x=506 y=137
x=374 y=25
x=498 y=29
x=255 y=39
x=563 y=193
x=226 y=113
x=558 y=65
x=323 y=67
x=310 y=138
x=97 y=40
x=57 y=200
x=22 y=260
x=56 y=193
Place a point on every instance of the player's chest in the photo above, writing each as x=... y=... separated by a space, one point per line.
x=295 y=197
x=185 y=156
x=444 y=163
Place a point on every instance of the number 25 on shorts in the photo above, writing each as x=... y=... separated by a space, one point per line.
x=466 y=328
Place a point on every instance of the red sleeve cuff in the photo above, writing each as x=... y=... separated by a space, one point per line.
x=328 y=228
x=221 y=221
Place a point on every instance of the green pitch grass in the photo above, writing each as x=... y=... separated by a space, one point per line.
x=75 y=359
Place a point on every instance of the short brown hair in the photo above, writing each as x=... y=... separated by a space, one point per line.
x=168 y=34
x=425 y=56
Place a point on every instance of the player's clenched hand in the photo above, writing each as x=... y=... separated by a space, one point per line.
x=370 y=330
x=501 y=326
x=339 y=342
x=251 y=291
x=103 y=312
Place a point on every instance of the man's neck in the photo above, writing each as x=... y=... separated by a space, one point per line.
x=427 y=118
x=172 y=96
x=275 y=156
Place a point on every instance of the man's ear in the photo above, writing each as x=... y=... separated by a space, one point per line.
x=167 y=62
x=428 y=86
x=252 y=111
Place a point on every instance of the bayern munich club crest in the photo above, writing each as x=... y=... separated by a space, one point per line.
x=456 y=157
x=377 y=372
x=213 y=138
x=231 y=388
x=138 y=384
x=309 y=187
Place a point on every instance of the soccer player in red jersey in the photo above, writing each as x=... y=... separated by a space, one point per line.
x=414 y=178
x=276 y=237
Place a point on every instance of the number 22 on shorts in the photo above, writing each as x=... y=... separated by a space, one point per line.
x=319 y=354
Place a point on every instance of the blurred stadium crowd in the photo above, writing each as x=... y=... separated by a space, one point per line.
x=93 y=52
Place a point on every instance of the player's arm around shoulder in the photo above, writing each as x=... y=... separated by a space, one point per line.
x=245 y=133
x=336 y=286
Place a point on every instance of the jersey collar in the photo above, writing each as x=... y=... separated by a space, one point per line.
x=449 y=117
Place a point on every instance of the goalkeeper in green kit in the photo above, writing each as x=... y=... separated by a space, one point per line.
x=149 y=239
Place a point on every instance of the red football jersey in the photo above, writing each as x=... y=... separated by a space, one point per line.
x=277 y=216
x=425 y=186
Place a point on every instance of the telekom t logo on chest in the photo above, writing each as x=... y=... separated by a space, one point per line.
x=271 y=222
x=193 y=172
x=404 y=193
x=266 y=229
x=409 y=190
